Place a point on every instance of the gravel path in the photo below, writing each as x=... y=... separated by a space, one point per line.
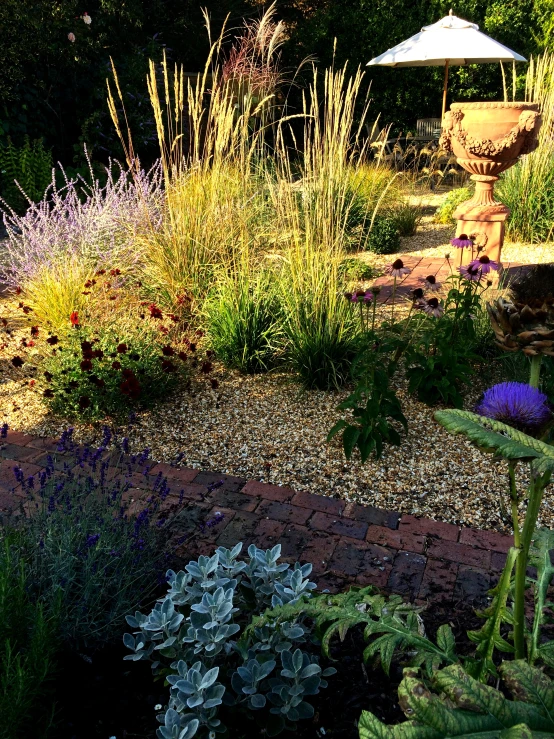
x=264 y=428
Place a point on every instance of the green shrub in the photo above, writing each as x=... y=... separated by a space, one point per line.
x=445 y=211
x=242 y=322
x=31 y=166
x=92 y=374
x=384 y=237
x=27 y=646
x=353 y=269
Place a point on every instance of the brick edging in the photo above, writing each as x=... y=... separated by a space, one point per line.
x=346 y=542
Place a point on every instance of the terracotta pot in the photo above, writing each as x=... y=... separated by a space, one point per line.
x=487 y=138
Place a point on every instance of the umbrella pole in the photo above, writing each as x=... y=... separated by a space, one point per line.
x=445 y=88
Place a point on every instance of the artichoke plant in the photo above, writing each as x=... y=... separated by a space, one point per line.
x=525 y=320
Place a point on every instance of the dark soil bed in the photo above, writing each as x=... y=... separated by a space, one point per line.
x=102 y=696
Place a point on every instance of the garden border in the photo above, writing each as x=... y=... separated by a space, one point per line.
x=420 y=558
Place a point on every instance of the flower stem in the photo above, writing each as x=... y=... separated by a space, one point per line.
x=536 y=490
x=535 y=373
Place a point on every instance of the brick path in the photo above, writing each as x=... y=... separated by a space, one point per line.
x=419 y=558
x=421 y=267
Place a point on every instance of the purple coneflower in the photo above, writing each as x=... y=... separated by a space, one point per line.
x=430 y=283
x=471 y=273
x=516 y=404
x=462 y=242
x=362 y=297
x=397 y=269
x=484 y=264
x=432 y=307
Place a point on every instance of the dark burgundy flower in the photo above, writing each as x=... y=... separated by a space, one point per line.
x=86 y=346
x=115 y=272
x=101 y=272
x=155 y=312
x=209 y=353
x=26 y=309
x=52 y=340
x=86 y=365
x=97 y=354
x=48 y=393
x=214 y=383
x=98 y=381
x=167 y=365
x=134 y=356
x=48 y=376
x=207 y=367
x=18 y=291
x=192 y=347
x=17 y=362
x=84 y=402
x=164 y=330
x=168 y=351
x=128 y=373
x=4 y=321
x=73 y=384
x=121 y=348
x=74 y=318
x=182 y=356
x=34 y=331
x=116 y=365
x=130 y=387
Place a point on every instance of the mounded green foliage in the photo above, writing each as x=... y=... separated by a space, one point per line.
x=464 y=707
x=445 y=211
x=384 y=237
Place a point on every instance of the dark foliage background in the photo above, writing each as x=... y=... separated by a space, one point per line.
x=55 y=89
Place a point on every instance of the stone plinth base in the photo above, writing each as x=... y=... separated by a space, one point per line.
x=487 y=229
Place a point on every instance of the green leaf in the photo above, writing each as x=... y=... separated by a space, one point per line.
x=336 y=428
x=530 y=685
x=349 y=439
x=489 y=638
x=539 y=557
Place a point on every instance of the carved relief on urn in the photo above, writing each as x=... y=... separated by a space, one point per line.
x=487 y=138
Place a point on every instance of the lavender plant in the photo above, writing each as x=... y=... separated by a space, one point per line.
x=197 y=638
x=74 y=230
x=87 y=556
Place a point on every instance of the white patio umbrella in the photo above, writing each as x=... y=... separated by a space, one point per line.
x=449 y=41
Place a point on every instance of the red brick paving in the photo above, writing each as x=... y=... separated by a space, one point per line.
x=419 y=558
x=421 y=267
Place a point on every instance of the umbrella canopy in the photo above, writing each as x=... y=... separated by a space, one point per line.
x=451 y=40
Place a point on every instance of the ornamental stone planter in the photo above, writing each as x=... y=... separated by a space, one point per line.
x=487 y=138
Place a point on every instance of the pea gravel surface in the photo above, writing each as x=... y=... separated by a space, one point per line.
x=264 y=427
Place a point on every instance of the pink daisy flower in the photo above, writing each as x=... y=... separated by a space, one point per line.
x=471 y=273
x=484 y=264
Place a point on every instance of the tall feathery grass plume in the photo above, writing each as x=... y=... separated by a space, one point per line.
x=528 y=187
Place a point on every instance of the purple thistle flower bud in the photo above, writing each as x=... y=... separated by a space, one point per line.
x=18 y=472
x=125 y=445
x=517 y=404
x=214 y=485
x=4 y=431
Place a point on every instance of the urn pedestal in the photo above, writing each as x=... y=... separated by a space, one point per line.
x=488 y=138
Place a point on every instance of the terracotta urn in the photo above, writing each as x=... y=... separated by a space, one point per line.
x=487 y=138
